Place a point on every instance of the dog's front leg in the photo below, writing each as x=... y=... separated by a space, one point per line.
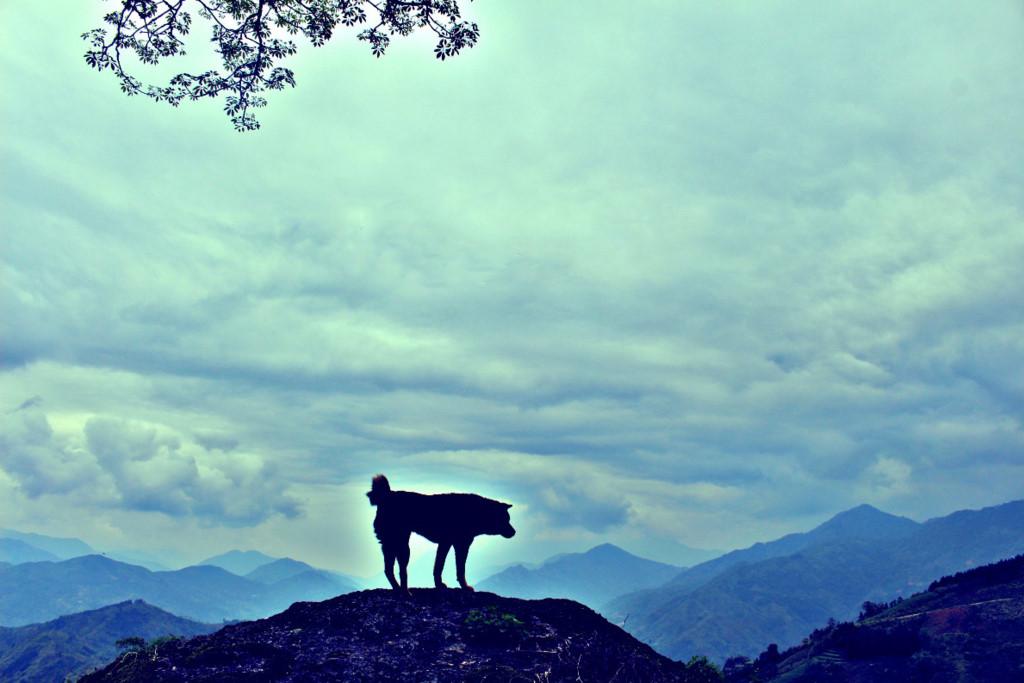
x=389 y=565
x=461 y=553
x=442 y=555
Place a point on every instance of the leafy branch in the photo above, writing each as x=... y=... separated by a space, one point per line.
x=251 y=36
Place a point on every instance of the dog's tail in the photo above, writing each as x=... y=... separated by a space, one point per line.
x=380 y=489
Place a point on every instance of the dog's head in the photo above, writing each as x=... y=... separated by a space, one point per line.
x=498 y=521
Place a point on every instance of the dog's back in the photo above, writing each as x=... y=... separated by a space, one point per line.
x=441 y=517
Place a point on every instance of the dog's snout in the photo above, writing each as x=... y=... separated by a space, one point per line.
x=509 y=532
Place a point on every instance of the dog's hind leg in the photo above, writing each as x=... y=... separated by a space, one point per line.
x=461 y=553
x=442 y=555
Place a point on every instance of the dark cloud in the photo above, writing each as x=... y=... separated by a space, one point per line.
x=219 y=442
x=562 y=505
x=29 y=403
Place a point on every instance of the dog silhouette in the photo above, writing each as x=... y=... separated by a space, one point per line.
x=447 y=519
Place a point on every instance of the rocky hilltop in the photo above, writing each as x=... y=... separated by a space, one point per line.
x=377 y=635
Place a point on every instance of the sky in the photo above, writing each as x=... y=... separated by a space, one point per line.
x=659 y=273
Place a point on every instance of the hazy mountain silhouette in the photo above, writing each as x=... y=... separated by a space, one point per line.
x=277 y=570
x=38 y=591
x=293 y=570
x=150 y=561
x=14 y=551
x=863 y=521
x=749 y=604
x=593 y=577
x=312 y=585
x=62 y=548
x=239 y=562
x=965 y=627
x=76 y=643
x=434 y=635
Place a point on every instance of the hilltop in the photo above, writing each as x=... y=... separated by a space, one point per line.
x=378 y=635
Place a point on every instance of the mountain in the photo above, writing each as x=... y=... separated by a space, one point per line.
x=593 y=577
x=965 y=627
x=285 y=568
x=76 y=643
x=239 y=562
x=290 y=580
x=686 y=556
x=743 y=607
x=863 y=521
x=14 y=551
x=143 y=559
x=378 y=635
x=308 y=586
x=38 y=591
x=63 y=548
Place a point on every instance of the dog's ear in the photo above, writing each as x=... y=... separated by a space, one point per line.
x=507 y=505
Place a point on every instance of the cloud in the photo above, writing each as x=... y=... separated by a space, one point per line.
x=692 y=277
x=134 y=466
x=29 y=403
x=41 y=461
x=888 y=477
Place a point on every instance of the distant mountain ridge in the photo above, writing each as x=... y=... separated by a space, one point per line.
x=62 y=548
x=863 y=521
x=748 y=603
x=14 y=551
x=239 y=562
x=592 y=577
x=38 y=591
x=76 y=643
x=278 y=570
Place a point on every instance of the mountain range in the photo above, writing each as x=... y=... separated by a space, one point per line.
x=593 y=577
x=964 y=627
x=59 y=548
x=14 y=551
x=735 y=604
x=38 y=591
x=779 y=591
x=73 y=644
x=239 y=562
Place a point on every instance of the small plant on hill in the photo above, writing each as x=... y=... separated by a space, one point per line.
x=138 y=647
x=701 y=670
x=871 y=609
x=491 y=626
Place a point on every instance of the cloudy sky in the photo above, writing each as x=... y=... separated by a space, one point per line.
x=656 y=272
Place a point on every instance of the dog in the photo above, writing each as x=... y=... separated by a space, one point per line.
x=447 y=519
